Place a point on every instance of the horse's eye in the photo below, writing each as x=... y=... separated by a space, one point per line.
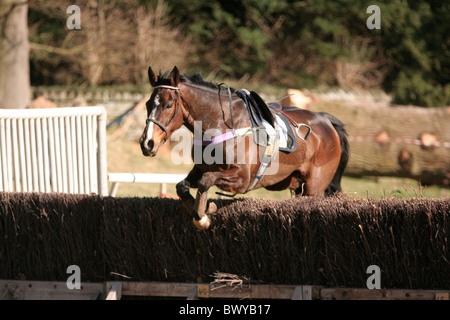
x=169 y=105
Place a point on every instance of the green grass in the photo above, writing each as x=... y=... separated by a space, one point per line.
x=390 y=187
x=126 y=156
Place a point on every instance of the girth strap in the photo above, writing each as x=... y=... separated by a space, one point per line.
x=269 y=154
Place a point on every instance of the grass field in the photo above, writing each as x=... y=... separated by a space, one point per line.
x=126 y=156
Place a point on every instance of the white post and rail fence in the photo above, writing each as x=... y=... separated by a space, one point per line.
x=61 y=150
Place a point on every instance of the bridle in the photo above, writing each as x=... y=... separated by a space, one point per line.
x=159 y=124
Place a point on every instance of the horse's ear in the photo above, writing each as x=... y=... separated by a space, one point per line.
x=175 y=77
x=152 y=77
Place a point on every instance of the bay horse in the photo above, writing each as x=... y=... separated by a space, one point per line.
x=314 y=168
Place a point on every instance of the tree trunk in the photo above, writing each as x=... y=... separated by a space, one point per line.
x=14 y=55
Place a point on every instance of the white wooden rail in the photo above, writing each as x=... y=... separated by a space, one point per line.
x=53 y=150
x=161 y=178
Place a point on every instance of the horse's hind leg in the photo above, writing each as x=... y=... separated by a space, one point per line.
x=318 y=179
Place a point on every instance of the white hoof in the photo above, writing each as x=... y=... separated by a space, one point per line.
x=212 y=208
x=203 y=223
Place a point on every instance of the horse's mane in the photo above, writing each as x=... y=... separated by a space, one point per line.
x=195 y=79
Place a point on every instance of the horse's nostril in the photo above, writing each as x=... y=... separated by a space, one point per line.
x=150 y=145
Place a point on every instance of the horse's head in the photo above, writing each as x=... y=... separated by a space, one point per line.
x=164 y=114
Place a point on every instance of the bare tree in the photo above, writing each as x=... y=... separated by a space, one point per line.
x=156 y=43
x=115 y=44
x=93 y=51
x=365 y=68
x=14 y=55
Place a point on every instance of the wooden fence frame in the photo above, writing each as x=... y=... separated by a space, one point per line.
x=115 y=290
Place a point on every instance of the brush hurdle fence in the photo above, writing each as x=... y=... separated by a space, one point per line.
x=299 y=248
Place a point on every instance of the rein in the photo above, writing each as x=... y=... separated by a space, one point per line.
x=230 y=104
x=216 y=140
x=270 y=149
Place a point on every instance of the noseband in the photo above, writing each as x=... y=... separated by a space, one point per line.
x=159 y=124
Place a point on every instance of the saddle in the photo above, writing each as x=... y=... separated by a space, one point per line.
x=268 y=117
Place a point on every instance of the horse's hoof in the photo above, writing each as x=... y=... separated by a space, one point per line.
x=212 y=208
x=203 y=223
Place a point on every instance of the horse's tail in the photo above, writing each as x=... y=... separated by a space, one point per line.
x=335 y=185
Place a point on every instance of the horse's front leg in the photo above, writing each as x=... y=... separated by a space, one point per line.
x=183 y=189
x=201 y=208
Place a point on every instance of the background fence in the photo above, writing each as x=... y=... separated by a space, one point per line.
x=53 y=150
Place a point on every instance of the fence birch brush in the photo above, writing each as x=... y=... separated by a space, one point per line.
x=317 y=241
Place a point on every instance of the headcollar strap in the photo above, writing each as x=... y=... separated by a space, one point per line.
x=167 y=87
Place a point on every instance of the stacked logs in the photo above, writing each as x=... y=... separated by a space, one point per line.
x=397 y=141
